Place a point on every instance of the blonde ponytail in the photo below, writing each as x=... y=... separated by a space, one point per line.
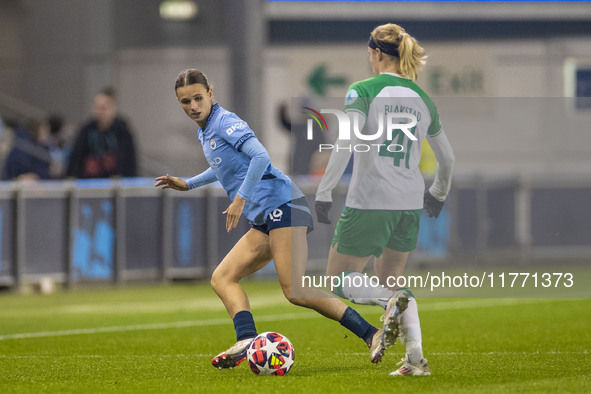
x=412 y=55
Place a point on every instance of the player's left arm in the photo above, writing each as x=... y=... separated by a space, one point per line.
x=259 y=161
x=437 y=193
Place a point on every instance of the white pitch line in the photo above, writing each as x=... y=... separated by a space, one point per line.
x=440 y=306
x=153 y=307
x=153 y=326
x=214 y=304
x=340 y=354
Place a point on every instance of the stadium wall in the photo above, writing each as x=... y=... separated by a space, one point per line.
x=524 y=69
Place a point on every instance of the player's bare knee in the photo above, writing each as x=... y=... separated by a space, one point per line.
x=299 y=301
x=288 y=292
x=218 y=280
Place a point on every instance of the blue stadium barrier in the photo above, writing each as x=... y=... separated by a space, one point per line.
x=118 y=230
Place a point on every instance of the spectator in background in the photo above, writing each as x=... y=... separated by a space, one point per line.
x=29 y=159
x=104 y=145
x=3 y=140
x=57 y=138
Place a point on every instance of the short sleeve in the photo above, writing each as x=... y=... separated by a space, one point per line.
x=235 y=130
x=357 y=99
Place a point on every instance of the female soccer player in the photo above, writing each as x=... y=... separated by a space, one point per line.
x=385 y=197
x=276 y=209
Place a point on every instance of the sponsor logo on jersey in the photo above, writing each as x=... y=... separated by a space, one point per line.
x=234 y=127
x=212 y=144
x=216 y=161
x=276 y=215
x=351 y=97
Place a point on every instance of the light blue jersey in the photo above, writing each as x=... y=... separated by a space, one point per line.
x=222 y=138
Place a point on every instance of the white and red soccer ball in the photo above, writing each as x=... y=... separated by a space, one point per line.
x=270 y=353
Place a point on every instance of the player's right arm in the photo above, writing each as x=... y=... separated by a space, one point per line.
x=173 y=182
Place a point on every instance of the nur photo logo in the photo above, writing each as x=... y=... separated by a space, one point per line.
x=396 y=126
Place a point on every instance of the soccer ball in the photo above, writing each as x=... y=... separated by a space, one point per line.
x=270 y=354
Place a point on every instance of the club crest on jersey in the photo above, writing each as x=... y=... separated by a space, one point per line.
x=351 y=97
x=276 y=215
x=234 y=127
x=212 y=144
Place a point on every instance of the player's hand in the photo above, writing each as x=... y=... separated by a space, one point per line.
x=432 y=205
x=233 y=213
x=322 y=209
x=171 y=182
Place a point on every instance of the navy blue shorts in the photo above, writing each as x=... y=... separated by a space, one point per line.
x=291 y=214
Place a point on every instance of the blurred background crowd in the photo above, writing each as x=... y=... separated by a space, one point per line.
x=65 y=64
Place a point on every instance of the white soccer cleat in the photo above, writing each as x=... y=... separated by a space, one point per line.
x=233 y=356
x=391 y=318
x=376 y=348
x=408 y=369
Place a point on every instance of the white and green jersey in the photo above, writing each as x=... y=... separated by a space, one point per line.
x=385 y=178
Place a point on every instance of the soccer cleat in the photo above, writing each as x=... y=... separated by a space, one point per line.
x=376 y=348
x=233 y=356
x=391 y=318
x=408 y=369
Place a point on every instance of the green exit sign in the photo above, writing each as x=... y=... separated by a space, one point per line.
x=467 y=81
x=319 y=80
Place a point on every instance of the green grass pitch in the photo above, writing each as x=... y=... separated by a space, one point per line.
x=160 y=339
